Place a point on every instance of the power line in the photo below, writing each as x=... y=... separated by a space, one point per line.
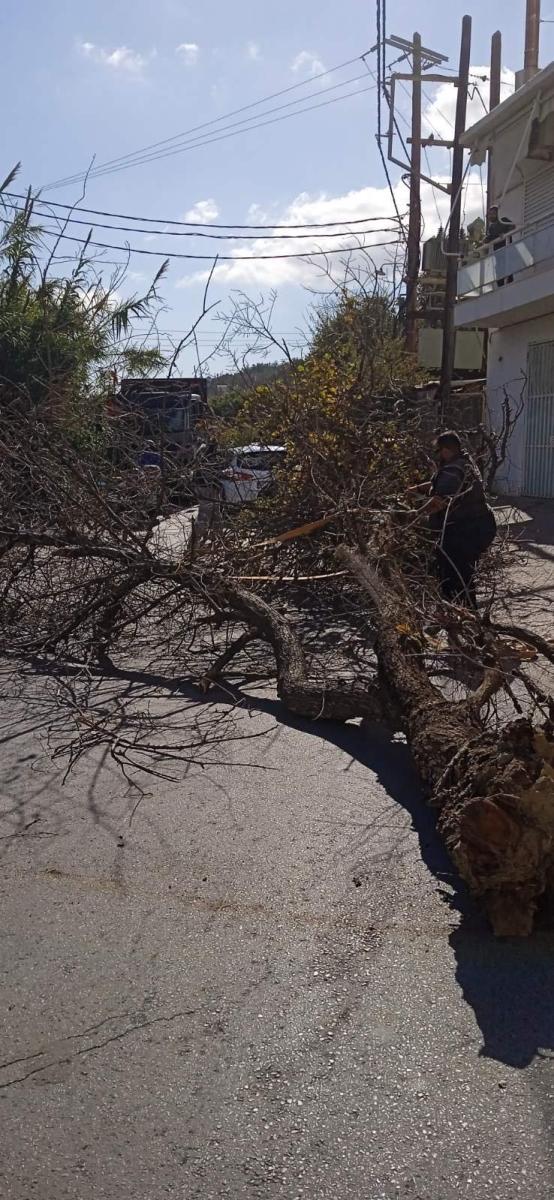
x=379 y=69
x=98 y=212
x=190 y=234
x=384 y=32
x=210 y=257
x=216 y=121
x=378 y=136
x=163 y=329
x=432 y=102
x=205 y=124
x=472 y=74
x=209 y=141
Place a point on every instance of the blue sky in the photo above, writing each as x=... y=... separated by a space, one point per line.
x=104 y=79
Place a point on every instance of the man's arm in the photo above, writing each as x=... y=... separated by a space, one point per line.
x=422 y=488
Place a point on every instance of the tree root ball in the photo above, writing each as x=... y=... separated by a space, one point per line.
x=497 y=820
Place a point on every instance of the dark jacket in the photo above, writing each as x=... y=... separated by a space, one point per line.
x=460 y=483
x=498 y=229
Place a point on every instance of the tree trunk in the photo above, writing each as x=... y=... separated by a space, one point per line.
x=338 y=698
x=495 y=795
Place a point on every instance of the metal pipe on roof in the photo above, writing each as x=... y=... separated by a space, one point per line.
x=532 y=31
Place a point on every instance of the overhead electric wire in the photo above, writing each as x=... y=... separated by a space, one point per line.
x=431 y=101
x=166 y=334
x=211 y=257
x=223 y=237
x=379 y=68
x=209 y=141
x=378 y=137
x=216 y=121
x=384 y=37
x=98 y=212
x=472 y=74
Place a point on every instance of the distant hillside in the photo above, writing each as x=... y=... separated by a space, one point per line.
x=258 y=373
x=223 y=389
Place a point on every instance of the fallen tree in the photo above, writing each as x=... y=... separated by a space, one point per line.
x=494 y=794
x=492 y=784
x=88 y=584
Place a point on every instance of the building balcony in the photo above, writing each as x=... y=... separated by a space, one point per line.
x=505 y=284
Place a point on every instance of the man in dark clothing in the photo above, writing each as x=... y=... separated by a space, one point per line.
x=497 y=229
x=497 y=226
x=460 y=519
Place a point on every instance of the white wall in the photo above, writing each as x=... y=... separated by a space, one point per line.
x=507 y=367
x=506 y=149
x=510 y=167
x=468 y=354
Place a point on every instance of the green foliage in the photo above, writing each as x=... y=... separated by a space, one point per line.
x=62 y=336
x=226 y=391
x=360 y=331
x=344 y=414
x=357 y=364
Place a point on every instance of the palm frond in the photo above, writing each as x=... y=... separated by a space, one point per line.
x=10 y=178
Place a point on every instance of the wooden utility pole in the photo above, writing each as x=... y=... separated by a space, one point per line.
x=453 y=243
x=414 y=226
x=494 y=99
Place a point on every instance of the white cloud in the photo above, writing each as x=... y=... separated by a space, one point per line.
x=244 y=270
x=122 y=58
x=257 y=215
x=438 y=117
x=308 y=63
x=253 y=52
x=188 y=52
x=203 y=212
x=153 y=237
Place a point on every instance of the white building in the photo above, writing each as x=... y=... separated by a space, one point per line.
x=509 y=290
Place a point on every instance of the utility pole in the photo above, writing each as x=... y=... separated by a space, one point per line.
x=453 y=244
x=414 y=226
x=422 y=59
x=494 y=98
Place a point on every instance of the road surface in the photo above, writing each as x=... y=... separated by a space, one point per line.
x=266 y=984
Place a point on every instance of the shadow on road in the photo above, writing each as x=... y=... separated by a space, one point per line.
x=539 y=532
x=509 y=984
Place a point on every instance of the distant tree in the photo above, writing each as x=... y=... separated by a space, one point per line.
x=63 y=335
x=225 y=391
x=337 y=410
x=361 y=330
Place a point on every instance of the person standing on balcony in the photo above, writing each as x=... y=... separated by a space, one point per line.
x=497 y=229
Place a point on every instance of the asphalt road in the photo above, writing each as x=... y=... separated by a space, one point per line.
x=266 y=984
x=262 y=986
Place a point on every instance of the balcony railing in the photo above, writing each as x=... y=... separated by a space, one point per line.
x=498 y=263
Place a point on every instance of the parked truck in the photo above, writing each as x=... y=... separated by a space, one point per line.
x=164 y=411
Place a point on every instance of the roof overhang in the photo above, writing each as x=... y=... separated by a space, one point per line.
x=482 y=133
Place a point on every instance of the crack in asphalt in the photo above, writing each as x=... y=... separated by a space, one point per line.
x=116 y=1037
